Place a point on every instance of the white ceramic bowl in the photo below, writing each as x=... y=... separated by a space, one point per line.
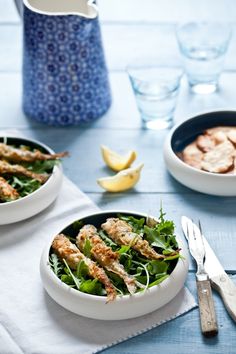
x=124 y=307
x=183 y=134
x=37 y=201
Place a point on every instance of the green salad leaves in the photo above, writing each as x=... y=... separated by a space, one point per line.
x=26 y=185
x=159 y=234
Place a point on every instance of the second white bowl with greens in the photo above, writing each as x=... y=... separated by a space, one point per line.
x=164 y=280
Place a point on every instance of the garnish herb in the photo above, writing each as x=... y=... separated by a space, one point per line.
x=147 y=272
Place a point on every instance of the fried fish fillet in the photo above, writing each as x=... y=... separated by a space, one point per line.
x=68 y=251
x=21 y=155
x=6 y=168
x=7 y=192
x=105 y=256
x=121 y=232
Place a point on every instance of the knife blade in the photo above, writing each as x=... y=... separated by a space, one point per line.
x=205 y=300
x=219 y=279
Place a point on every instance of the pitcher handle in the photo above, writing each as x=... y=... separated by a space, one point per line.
x=19 y=6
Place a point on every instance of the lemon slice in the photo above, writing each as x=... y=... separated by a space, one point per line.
x=122 y=181
x=115 y=161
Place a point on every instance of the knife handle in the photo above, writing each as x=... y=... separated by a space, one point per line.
x=226 y=288
x=207 y=310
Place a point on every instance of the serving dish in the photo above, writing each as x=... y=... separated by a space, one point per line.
x=125 y=306
x=38 y=200
x=183 y=134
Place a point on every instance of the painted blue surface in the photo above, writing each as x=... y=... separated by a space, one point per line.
x=65 y=78
x=128 y=24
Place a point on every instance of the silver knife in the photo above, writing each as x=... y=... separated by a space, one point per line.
x=220 y=281
x=205 y=300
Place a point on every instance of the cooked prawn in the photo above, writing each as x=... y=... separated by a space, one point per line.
x=105 y=256
x=68 y=251
x=22 y=155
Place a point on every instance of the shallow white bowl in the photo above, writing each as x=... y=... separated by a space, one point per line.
x=124 y=307
x=183 y=134
x=37 y=201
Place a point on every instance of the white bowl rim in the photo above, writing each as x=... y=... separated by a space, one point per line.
x=182 y=163
x=103 y=299
x=55 y=168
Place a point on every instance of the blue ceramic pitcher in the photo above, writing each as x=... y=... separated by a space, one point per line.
x=65 y=79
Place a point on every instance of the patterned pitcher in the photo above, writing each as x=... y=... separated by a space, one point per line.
x=65 y=79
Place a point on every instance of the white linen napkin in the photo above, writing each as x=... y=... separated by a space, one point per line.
x=30 y=321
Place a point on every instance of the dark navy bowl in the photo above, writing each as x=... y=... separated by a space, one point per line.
x=186 y=132
x=183 y=134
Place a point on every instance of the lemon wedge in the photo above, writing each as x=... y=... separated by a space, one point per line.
x=122 y=181
x=115 y=161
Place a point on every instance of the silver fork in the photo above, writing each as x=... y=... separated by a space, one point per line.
x=206 y=304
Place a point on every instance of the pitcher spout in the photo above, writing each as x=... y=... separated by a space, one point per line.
x=83 y=8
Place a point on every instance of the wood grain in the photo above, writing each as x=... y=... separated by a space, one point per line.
x=131 y=29
x=207 y=312
x=144 y=42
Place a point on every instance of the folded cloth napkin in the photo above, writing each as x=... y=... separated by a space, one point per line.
x=30 y=321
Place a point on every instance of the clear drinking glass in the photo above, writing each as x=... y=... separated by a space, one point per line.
x=155 y=89
x=203 y=47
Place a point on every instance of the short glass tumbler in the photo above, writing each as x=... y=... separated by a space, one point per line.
x=156 y=89
x=203 y=47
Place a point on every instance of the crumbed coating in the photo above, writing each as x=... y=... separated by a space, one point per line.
x=121 y=232
x=105 y=256
x=22 y=155
x=7 y=192
x=69 y=251
x=7 y=168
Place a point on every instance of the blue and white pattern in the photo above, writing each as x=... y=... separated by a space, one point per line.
x=65 y=78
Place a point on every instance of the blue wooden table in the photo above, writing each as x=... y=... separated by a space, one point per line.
x=136 y=28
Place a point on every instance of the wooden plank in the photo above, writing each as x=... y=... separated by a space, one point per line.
x=167 y=10
x=150 y=10
x=123 y=113
x=183 y=335
x=123 y=44
x=8 y=12
x=217 y=215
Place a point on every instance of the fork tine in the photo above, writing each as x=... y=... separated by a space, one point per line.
x=187 y=230
x=193 y=230
x=200 y=226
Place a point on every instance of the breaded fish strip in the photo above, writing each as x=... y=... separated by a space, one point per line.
x=105 y=256
x=7 y=192
x=21 y=155
x=68 y=251
x=6 y=168
x=121 y=232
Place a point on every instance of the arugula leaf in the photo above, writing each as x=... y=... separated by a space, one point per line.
x=157 y=267
x=92 y=287
x=77 y=225
x=68 y=280
x=24 y=185
x=159 y=280
x=124 y=249
x=76 y=280
x=81 y=270
x=55 y=264
x=41 y=166
x=107 y=240
x=137 y=224
x=87 y=248
x=161 y=236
